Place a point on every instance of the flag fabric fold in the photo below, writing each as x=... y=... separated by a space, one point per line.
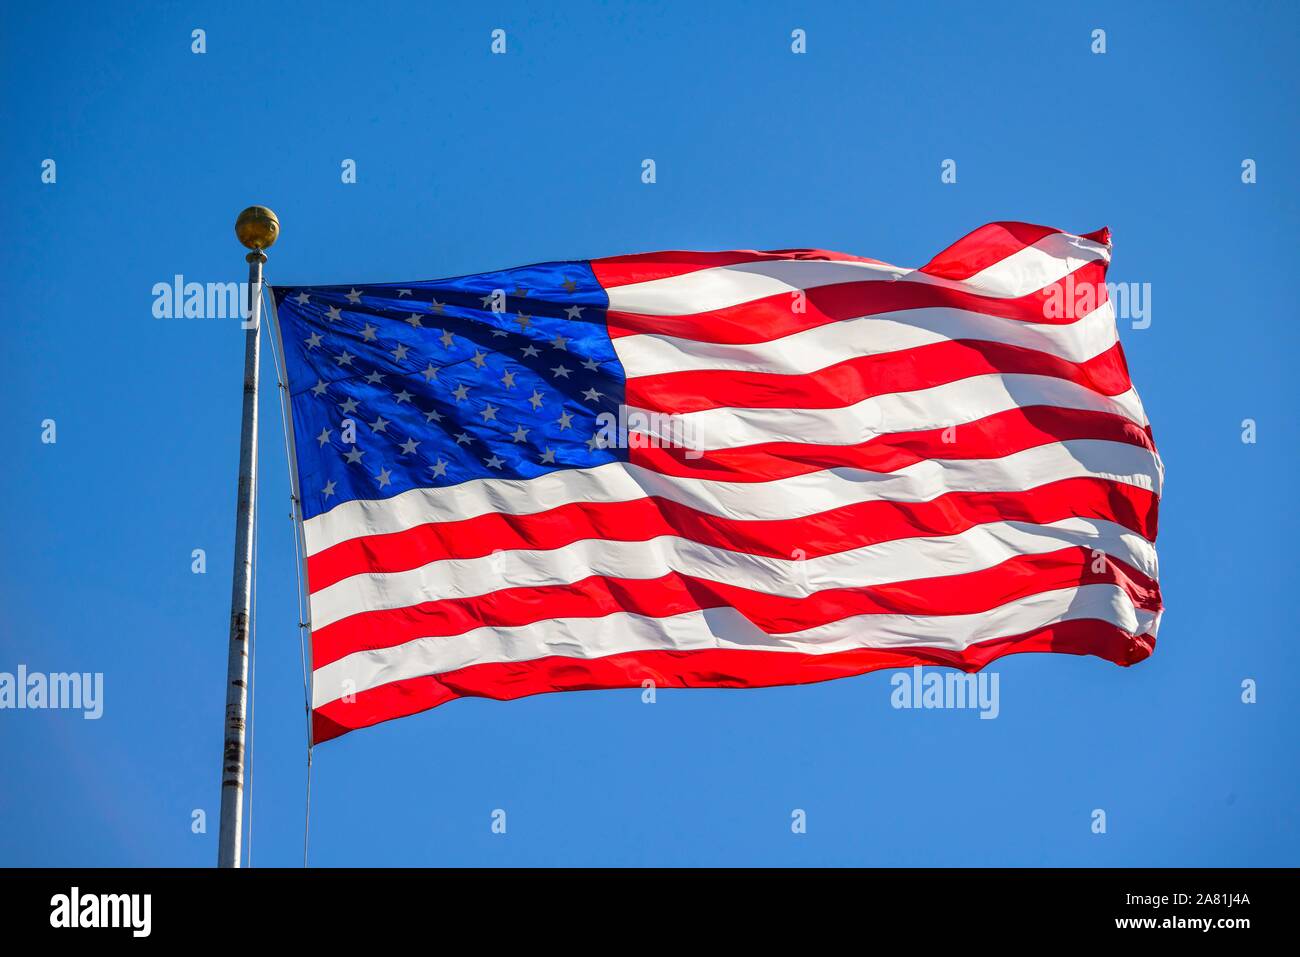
x=716 y=469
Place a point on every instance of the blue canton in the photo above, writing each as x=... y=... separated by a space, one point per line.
x=398 y=386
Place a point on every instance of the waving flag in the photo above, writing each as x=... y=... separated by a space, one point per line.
x=727 y=469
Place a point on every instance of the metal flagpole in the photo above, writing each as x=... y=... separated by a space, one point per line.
x=257 y=228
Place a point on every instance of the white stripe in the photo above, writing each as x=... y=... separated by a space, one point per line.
x=792 y=497
x=1047 y=261
x=623 y=632
x=1028 y=270
x=721 y=286
x=953 y=403
x=810 y=350
x=899 y=560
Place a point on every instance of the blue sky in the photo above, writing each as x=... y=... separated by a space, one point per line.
x=467 y=162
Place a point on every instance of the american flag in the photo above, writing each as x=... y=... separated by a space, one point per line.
x=716 y=469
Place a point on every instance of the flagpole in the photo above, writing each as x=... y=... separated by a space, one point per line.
x=257 y=228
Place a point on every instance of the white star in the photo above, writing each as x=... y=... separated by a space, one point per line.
x=489 y=412
x=429 y=373
x=354 y=456
x=548 y=457
x=302 y=298
x=530 y=351
x=313 y=340
x=486 y=300
x=375 y=378
x=400 y=353
x=383 y=478
x=432 y=416
x=591 y=395
x=520 y=434
x=536 y=399
x=559 y=342
x=461 y=392
x=409 y=446
x=574 y=312
x=379 y=425
x=320 y=387
x=523 y=319
x=368 y=333
x=328 y=490
x=495 y=462
x=591 y=365
x=404 y=396
x=499 y=333
x=564 y=420
x=334 y=314
x=560 y=372
x=508 y=380
x=354 y=297
x=597 y=441
x=447 y=338
x=324 y=436
x=463 y=439
x=435 y=305
x=403 y=292
x=478 y=359
x=439 y=469
x=414 y=320
x=349 y=405
x=345 y=359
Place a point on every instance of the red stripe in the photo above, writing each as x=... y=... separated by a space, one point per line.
x=864 y=377
x=614 y=271
x=719 y=668
x=984 y=247
x=992 y=243
x=992 y=437
x=826 y=533
x=676 y=593
x=772 y=317
x=975 y=251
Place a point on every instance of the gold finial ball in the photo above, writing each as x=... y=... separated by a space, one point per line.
x=257 y=227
